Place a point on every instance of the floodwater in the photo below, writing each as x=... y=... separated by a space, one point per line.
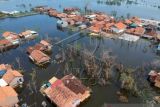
x=130 y=54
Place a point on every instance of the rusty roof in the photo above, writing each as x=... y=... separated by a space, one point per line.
x=74 y=84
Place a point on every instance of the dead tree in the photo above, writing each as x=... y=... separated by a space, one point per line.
x=108 y=63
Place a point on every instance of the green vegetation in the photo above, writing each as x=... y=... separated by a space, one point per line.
x=16 y=15
x=2 y=15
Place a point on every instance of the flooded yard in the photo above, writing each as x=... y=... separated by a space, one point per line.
x=136 y=55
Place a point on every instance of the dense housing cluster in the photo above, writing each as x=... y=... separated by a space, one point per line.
x=10 y=79
x=11 y=40
x=99 y=23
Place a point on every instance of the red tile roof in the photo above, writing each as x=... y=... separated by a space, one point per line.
x=6 y=34
x=8 y=93
x=127 y=21
x=95 y=29
x=10 y=75
x=120 y=26
x=39 y=56
x=4 y=42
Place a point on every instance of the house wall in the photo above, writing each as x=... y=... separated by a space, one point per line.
x=117 y=30
x=147 y=36
x=16 y=81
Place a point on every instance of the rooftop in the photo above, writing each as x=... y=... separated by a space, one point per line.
x=120 y=26
x=45 y=43
x=7 y=33
x=39 y=56
x=67 y=92
x=10 y=75
x=8 y=96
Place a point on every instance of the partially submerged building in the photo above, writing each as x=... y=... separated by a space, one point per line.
x=39 y=57
x=44 y=46
x=119 y=28
x=5 y=45
x=66 y=92
x=8 y=97
x=139 y=31
x=28 y=34
x=12 y=37
x=13 y=78
x=4 y=68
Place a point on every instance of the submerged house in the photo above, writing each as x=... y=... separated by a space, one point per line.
x=150 y=32
x=12 y=37
x=8 y=97
x=46 y=44
x=139 y=31
x=28 y=34
x=136 y=21
x=4 y=68
x=107 y=27
x=66 y=92
x=118 y=28
x=43 y=46
x=39 y=57
x=13 y=78
x=95 y=29
x=5 y=44
x=62 y=23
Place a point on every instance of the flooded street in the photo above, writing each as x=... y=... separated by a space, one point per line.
x=134 y=55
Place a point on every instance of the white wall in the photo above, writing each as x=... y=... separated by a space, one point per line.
x=15 y=81
x=117 y=30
